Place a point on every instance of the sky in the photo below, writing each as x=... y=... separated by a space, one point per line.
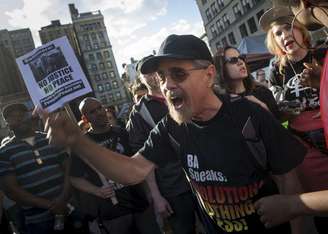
x=135 y=27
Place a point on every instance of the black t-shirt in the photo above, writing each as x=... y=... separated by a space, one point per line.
x=308 y=97
x=170 y=177
x=214 y=154
x=131 y=198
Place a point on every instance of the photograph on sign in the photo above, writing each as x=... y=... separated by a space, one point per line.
x=53 y=75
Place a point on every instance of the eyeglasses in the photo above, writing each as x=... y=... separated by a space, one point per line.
x=177 y=74
x=234 y=60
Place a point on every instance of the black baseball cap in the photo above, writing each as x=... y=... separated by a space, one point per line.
x=141 y=61
x=186 y=47
x=12 y=107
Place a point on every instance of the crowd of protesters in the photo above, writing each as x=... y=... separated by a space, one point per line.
x=207 y=148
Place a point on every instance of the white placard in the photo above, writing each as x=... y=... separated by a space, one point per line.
x=53 y=75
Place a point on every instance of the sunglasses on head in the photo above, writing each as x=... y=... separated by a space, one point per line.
x=177 y=74
x=234 y=60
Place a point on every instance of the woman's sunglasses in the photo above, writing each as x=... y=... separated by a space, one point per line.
x=177 y=74
x=234 y=60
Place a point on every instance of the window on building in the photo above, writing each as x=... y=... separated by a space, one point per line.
x=252 y=25
x=99 y=55
x=204 y=2
x=115 y=84
x=101 y=35
x=259 y=14
x=213 y=31
x=101 y=65
x=97 y=77
x=85 y=37
x=118 y=96
x=109 y=64
x=214 y=9
x=208 y=14
x=88 y=47
x=93 y=36
x=220 y=3
x=96 y=45
x=91 y=57
x=220 y=25
x=103 y=99
x=112 y=74
x=110 y=97
x=104 y=76
x=243 y=31
x=246 y=4
x=100 y=88
x=106 y=54
x=224 y=41
x=94 y=67
x=108 y=87
x=226 y=21
x=103 y=44
x=232 y=38
x=218 y=45
x=237 y=10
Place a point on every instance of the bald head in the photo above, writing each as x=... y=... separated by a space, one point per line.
x=84 y=103
x=94 y=112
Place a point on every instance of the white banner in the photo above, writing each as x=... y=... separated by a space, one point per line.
x=53 y=75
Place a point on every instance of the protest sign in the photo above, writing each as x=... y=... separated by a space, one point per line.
x=53 y=75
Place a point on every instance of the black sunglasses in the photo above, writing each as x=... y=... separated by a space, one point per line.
x=234 y=60
x=177 y=74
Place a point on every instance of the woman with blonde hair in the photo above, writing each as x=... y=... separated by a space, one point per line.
x=299 y=103
x=294 y=62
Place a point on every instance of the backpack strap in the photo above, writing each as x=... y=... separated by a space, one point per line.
x=252 y=138
x=145 y=114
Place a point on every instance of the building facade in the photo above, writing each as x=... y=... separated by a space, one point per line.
x=12 y=88
x=98 y=57
x=56 y=30
x=227 y=22
x=18 y=42
x=13 y=44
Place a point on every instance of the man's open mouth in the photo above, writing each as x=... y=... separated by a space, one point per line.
x=176 y=100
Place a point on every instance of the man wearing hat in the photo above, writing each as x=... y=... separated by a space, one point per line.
x=206 y=130
x=33 y=173
x=168 y=186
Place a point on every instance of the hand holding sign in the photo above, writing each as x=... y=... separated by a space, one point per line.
x=60 y=129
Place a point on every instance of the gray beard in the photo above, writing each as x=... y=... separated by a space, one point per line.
x=182 y=116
